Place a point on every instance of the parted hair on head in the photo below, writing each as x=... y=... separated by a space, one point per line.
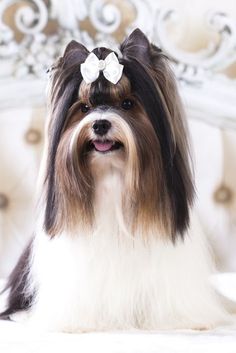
x=162 y=190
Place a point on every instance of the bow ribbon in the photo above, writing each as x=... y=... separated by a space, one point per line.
x=111 y=68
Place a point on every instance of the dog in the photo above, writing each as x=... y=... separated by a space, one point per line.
x=112 y=247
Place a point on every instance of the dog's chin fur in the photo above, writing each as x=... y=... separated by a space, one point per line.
x=112 y=248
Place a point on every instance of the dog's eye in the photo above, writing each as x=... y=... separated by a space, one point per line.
x=84 y=108
x=127 y=104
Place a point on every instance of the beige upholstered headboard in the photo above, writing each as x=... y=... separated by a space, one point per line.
x=202 y=50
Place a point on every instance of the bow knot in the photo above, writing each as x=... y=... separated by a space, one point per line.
x=111 y=68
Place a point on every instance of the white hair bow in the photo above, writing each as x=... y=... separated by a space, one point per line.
x=111 y=68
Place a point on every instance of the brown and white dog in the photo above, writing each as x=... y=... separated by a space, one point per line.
x=112 y=249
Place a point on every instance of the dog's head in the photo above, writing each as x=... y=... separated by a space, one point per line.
x=135 y=125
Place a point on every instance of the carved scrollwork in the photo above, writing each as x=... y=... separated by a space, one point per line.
x=32 y=17
x=29 y=19
x=216 y=57
x=106 y=17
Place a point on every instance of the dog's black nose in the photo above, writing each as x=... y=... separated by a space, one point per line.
x=100 y=127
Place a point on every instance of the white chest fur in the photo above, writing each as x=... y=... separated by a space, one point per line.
x=113 y=280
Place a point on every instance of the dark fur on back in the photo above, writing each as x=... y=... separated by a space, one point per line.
x=19 y=298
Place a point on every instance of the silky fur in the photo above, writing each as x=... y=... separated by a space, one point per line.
x=112 y=248
x=110 y=279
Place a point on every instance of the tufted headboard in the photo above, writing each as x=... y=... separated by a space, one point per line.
x=34 y=33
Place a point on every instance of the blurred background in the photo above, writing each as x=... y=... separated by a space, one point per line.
x=200 y=39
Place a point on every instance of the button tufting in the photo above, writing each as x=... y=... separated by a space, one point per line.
x=4 y=201
x=33 y=136
x=223 y=194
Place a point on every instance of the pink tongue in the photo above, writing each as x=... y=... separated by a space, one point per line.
x=103 y=146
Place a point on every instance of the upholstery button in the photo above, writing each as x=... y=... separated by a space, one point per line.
x=223 y=194
x=4 y=201
x=33 y=136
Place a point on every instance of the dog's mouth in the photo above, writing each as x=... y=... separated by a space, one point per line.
x=104 y=146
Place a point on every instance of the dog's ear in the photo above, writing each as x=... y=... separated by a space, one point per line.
x=74 y=46
x=67 y=66
x=136 y=46
x=74 y=54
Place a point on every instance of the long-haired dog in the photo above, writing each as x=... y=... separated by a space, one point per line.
x=111 y=248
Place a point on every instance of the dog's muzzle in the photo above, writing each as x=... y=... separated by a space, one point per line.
x=103 y=143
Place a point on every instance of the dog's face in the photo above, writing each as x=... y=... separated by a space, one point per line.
x=134 y=126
